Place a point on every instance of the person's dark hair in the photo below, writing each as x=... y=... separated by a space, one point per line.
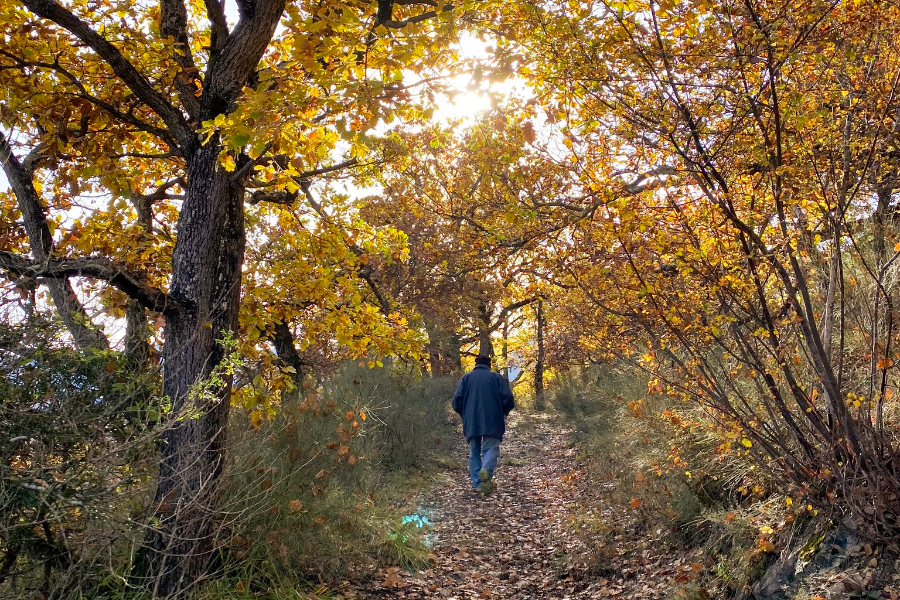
x=481 y=359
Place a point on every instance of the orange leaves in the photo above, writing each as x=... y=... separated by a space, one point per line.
x=393 y=578
x=528 y=132
x=635 y=408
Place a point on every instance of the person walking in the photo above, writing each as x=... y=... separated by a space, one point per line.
x=483 y=398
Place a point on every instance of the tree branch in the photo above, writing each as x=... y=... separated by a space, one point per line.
x=173 y=23
x=132 y=284
x=128 y=117
x=510 y=309
x=285 y=347
x=366 y=275
x=129 y=75
x=418 y=18
x=273 y=197
x=70 y=309
x=228 y=74
x=143 y=203
x=323 y=170
x=30 y=162
x=215 y=12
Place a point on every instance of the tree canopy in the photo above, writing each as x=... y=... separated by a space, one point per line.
x=237 y=200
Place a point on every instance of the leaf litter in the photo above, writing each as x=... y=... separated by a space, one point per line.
x=544 y=533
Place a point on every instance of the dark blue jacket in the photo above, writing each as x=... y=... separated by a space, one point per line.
x=483 y=398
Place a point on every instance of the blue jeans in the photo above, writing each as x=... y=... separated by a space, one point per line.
x=483 y=454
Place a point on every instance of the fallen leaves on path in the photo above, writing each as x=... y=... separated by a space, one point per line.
x=524 y=540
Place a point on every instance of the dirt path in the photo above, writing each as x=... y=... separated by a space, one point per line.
x=519 y=542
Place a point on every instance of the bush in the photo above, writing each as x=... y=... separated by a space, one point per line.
x=75 y=463
x=661 y=462
x=629 y=448
x=314 y=494
x=409 y=411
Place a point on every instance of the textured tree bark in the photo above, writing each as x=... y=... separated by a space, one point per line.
x=485 y=345
x=286 y=349
x=207 y=278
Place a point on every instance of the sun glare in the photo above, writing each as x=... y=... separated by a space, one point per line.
x=463 y=102
x=468 y=96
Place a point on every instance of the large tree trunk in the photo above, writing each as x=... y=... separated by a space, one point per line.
x=206 y=272
x=207 y=278
x=485 y=345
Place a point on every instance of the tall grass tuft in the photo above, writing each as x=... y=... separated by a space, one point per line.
x=316 y=493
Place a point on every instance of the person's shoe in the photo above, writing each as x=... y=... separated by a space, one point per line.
x=487 y=486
